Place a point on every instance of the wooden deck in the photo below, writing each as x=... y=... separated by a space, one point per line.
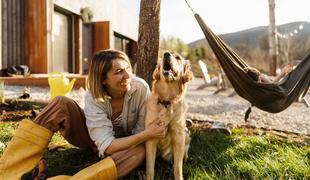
x=42 y=80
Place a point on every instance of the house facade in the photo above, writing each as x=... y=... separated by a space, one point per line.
x=53 y=35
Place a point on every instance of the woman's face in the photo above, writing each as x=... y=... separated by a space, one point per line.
x=118 y=78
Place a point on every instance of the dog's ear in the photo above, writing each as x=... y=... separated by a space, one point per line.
x=187 y=74
x=156 y=73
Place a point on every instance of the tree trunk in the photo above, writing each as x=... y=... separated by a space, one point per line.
x=273 y=40
x=148 y=41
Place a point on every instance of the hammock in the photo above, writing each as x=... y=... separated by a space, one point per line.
x=272 y=98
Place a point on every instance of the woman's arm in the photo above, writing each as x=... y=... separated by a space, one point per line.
x=267 y=79
x=99 y=126
x=263 y=78
x=155 y=130
x=284 y=72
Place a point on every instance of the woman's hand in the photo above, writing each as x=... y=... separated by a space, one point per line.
x=288 y=68
x=156 y=129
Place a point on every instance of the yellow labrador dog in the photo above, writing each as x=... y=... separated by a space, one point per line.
x=167 y=104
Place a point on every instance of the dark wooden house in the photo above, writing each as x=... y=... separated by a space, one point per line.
x=50 y=35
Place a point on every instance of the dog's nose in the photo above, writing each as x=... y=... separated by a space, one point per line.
x=166 y=55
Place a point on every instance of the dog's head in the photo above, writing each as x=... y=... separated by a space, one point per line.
x=173 y=67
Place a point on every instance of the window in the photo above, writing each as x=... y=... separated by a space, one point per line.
x=122 y=44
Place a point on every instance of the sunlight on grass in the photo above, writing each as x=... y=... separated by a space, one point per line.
x=239 y=156
x=58 y=139
x=6 y=133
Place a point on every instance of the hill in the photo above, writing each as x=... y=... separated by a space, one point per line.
x=252 y=36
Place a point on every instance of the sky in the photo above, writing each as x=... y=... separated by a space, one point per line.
x=222 y=16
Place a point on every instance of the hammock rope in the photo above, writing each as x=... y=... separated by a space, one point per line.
x=190 y=7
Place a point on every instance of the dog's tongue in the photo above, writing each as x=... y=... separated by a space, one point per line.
x=168 y=72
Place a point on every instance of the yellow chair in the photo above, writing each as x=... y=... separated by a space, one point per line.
x=59 y=84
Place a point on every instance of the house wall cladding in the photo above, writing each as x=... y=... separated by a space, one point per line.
x=12 y=22
x=122 y=20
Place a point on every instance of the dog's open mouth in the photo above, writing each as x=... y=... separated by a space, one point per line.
x=168 y=70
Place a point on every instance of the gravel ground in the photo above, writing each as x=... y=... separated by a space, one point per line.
x=206 y=106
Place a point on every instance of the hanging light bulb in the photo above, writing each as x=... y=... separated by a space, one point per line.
x=291 y=34
x=295 y=31
x=301 y=27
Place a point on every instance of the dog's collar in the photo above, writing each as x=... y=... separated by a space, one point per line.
x=164 y=102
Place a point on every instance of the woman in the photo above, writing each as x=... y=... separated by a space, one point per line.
x=112 y=124
x=256 y=75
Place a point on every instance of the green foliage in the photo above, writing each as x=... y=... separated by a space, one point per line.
x=86 y=14
x=173 y=44
x=176 y=45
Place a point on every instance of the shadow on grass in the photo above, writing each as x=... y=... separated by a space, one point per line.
x=211 y=156
x=70 y=161
x=204 y=153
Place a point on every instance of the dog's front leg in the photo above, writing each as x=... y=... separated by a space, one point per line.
x=151 y=147
x=178 y=154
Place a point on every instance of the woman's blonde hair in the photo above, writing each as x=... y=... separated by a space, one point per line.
x=100 y=65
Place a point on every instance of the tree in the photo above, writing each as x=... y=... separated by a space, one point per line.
x=148 y=40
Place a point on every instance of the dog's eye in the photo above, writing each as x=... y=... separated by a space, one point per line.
x=178 y=57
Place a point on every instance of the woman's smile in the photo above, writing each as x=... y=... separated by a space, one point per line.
x=125 y=83
x=118 y=78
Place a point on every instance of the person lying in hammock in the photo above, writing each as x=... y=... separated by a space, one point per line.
x=256 y=75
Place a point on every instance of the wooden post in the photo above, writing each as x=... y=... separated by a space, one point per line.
x=148 y=40
x=273 y=39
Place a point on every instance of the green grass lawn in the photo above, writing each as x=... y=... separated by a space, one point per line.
x=240 y=156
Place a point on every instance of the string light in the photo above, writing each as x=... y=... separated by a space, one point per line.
x=295 y=31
